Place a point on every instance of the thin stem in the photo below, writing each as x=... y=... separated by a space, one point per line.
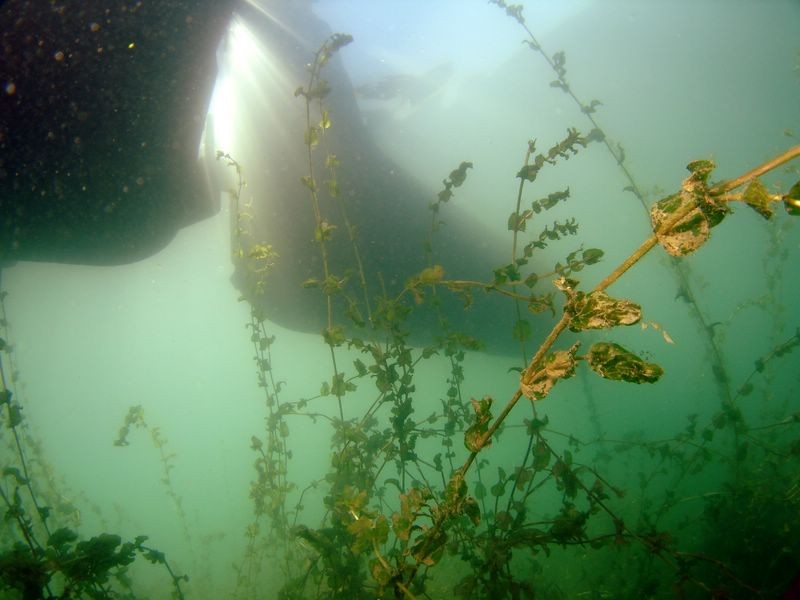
x=760 y=170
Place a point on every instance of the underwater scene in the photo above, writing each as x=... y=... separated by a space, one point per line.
x=400 y=299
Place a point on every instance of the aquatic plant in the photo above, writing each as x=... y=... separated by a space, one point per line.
x=45 y=560
x=428 y=514
x=424 y=505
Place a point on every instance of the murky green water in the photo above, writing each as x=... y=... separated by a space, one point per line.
x=687 y=487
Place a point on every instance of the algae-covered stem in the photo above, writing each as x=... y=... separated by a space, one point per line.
x=13 y=421
x=313 y=80
x=760 y=170
x=532 y=368
x=522 y=180
x=519 y=200
x=318 y=89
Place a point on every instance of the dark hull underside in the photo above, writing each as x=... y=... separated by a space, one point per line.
x=100 y=121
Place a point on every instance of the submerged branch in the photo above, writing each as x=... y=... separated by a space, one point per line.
x=536 y=362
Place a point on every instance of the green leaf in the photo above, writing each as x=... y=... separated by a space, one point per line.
x=536 y=425
x=333 y=187
x=339 y=387
x=704 y=212
x=470 y=508
x=517 y=221
x=60 y=538
x=539 y=304
x=324 y=232
x=473 y=436
x=559 y=60
x=591 y=107
x=15 y=473
x=429 y=351
x=598 y=310
x=334 y=336
x=685 y=236
x=701 y=169
x=522 y=330
x=480 y=490
x=325 y=120
x=592 y=255
x=791 y=201
x=310 y=137
x=612 y=361
x=432 y=274
x=552 y=199
x=531 y=280
x=498 y=489
x=455 y=492
x=14 y=415
x=337 y=41
x=570 y=524
x=522 y=477
x=459 y=175
x=367 y=532
x=154 y=556
x=529 y=172
x=541 y=455
x=507 y=273
x=757 y=197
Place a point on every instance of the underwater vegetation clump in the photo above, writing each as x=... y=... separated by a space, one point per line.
x=44 y=561
x=467 y=499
